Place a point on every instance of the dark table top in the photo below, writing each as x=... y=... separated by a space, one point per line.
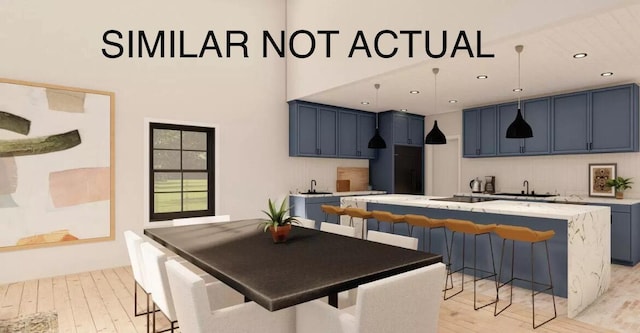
x=310 y=265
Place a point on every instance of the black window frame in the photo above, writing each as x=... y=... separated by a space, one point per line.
x=211 y=195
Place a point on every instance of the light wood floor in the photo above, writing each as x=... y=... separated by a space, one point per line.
x=102 y=301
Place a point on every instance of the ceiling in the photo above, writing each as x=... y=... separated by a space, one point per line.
x=611 y=39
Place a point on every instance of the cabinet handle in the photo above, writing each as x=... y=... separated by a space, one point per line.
x=590 y=145
x=478 y=151
x=587 y=148
x=524 y=150
x=409 y=140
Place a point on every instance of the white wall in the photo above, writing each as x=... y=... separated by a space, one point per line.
x=561 y=174
x=59 y=42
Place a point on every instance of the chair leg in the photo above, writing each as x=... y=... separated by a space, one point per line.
x=475 y=270
x=450 y=272
x=510 y=281
x=553 y=297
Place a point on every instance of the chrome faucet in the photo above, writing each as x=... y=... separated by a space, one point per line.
x=526 y=182
x=313 y=182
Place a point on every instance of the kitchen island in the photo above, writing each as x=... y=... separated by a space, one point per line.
x=580 y=250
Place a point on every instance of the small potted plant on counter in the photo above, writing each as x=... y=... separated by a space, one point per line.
x=279 y=223
x=619 y=184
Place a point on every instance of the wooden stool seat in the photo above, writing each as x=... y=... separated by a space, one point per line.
x=468 y=227
x=426 y=222
x=383 y=216
x=358 y=212
x=523 y=234
x=334 y=210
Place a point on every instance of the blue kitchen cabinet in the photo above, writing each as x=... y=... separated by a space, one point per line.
x=570 y=123
x=313 y=130
x=355 y=129
x=620 y=236
x=408 y=129
x=310 y=207
x=596 y=121
x=479 y=131
x=536 y=113
x=614 y=122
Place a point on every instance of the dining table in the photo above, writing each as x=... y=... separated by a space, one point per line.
x=311 y=264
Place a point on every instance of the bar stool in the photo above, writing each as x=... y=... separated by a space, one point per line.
x=358 y=213
x=332 y=210
x=524 y=234
x=469 y=228
x=384 y=216
x=427 y=223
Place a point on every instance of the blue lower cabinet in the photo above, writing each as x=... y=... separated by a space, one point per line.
x=310 y=208
x=620 y=237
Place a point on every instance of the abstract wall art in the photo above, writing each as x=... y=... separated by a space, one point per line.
x=598 y=176
x=56 y=165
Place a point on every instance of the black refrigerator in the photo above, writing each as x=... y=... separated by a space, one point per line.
x=408 y=171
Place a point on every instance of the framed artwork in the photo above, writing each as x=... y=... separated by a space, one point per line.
x=598 y=176
x=56 y=165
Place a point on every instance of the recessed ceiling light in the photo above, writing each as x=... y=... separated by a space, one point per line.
x=414 y=92
x=579 y=55
x=517 y=89
x=404 y=110
x=606 y=74
x=482 y=77
x=364 y=103
x=453 y=101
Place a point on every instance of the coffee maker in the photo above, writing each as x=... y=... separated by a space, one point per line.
x=490 y=184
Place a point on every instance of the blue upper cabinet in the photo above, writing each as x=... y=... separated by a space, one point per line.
x=317 y=130
x=312 y=130
x=479 y=132
x=408 y=129
x=570 y=123
x=614 y=122
x=536 y=113
x=355 y=129
x=596 y=121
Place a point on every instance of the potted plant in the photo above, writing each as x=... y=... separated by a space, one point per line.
x=619 y=184
x=279 y=223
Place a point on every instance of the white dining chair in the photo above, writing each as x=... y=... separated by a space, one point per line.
x=196 y=315
x=200 y=220
x=406 y=242
x=306 y=223
x=156 y=275
x=408 y=302
x=133 y=242
x=344 y=230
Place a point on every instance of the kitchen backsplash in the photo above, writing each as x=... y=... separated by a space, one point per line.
x=561 y=174
x=323 y=170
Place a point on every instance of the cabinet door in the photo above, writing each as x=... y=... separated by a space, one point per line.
x=536 y=113
x=400 y=129
x=612 y=120
x=470 y=133
x=569 y=122
x=327 y=132
x=307 y=131
x=366 y=131
x=506 y=115
x=348 y=134
x=416 y=130
x=488 y=131
x=621 y=236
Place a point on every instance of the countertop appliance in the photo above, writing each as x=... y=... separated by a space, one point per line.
x=490 y=184
x=465 y=199
x=408 y=170
x=475 y=185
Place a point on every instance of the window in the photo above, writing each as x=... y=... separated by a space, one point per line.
x=181 y=171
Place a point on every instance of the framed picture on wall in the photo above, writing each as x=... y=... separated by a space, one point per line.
x=598 y=176
x=56 y=165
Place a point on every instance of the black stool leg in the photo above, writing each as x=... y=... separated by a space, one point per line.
x=553 y=297
x=475 y=270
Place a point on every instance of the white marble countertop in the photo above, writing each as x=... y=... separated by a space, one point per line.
x=559 y=198
x=337 y=194
x=506 y=207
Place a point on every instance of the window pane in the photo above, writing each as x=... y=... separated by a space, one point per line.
x=194 y=140
x=195 y=181
x=167 y=182
x=166 y=159
x=165 y=138
x=194 y=160
x=195 y=201
x=166 y=202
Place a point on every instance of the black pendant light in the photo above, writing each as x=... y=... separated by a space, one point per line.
x=435 y=136
x=377 y=142
x=519 y=129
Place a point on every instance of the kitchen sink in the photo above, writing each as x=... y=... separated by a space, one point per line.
x=526 y=195
x=309 y=192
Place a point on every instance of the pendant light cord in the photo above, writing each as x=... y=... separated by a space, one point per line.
x=519 y=50
x=377 y=86
x=435 y=89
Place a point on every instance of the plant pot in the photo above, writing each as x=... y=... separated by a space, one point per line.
x=280 y=235
x=619 y=195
